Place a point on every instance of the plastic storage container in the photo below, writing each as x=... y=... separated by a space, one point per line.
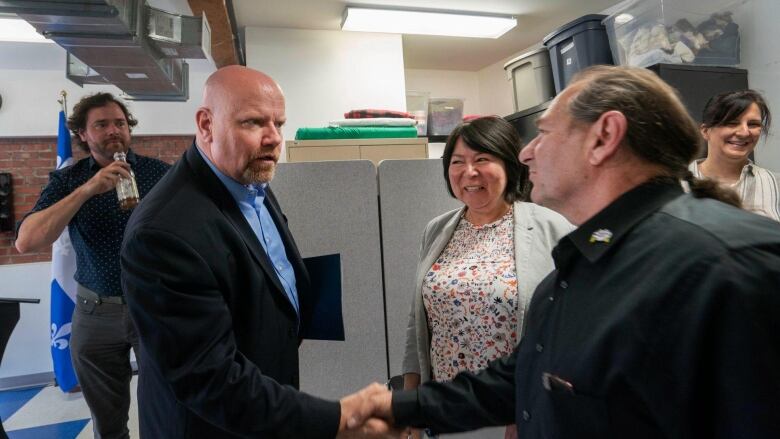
x=532 y=78
x=646 y=32
x=417 y=106
x=444 y=114
x=577 y=45
x=525 y=121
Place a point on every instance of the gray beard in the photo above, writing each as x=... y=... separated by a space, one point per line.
x=261 y=175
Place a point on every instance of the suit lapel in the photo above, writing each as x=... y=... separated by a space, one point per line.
x=302 y=282
x=229 y=208
x=293 y=255
x=235 y=216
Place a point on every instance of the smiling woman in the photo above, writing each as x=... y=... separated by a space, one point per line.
x=732 y=125
x=478 y=264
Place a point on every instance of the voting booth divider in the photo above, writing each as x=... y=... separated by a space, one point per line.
x=358 y=228
x=373 y=220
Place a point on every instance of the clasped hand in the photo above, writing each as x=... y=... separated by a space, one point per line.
x=368 y=414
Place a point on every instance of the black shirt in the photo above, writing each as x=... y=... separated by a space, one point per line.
x=662 y=319
x=97 y=229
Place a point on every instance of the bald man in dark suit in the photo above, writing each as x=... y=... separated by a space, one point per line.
x=217 y=287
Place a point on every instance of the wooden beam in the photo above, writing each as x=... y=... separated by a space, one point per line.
x=223 y=43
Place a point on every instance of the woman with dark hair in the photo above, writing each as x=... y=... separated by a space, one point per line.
x=479 y=264
x=732 y=125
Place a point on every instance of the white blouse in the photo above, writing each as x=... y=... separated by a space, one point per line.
x=758 y=188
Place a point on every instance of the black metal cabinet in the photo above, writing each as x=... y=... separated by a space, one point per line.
x=697 y=84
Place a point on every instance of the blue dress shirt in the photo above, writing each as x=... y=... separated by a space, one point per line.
x=250 y=201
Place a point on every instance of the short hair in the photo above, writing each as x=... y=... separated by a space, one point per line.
x=77 y=121
x=726 y=107
x=659 y=129
x=497 y=137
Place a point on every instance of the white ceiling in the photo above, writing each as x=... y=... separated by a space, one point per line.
x=535 y=19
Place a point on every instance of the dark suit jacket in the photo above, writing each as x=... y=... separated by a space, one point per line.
x=219 y=337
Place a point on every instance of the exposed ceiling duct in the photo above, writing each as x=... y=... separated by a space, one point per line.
x=127 y=43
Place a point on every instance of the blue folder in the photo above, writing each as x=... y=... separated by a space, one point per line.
x=327 y=322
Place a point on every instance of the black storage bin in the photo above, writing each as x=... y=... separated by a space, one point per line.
x=697 y=84
x=525 y=121
x=577 y=45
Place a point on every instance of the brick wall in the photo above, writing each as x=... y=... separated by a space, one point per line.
x=30 y=159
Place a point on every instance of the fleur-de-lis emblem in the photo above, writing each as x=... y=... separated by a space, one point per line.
x=60 y=337
x=601 y=235
x=65 y=247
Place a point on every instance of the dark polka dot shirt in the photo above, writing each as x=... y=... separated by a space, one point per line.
x=97 y=228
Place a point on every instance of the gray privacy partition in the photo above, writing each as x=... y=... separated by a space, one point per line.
x=332 y=208
x=411 y=193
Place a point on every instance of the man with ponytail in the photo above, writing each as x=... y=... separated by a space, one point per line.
x=662 y=317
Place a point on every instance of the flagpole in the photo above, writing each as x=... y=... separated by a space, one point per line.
x=63 y=102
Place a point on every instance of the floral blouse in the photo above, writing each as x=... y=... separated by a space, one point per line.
x=470 y=297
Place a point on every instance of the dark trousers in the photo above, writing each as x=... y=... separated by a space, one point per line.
x=100 y=342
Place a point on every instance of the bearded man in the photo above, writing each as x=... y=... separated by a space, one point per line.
x=217 y=287
x=82 y=198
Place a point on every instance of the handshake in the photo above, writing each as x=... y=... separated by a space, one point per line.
x=368 y=414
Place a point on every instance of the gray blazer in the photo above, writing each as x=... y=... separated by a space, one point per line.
x=537 y=230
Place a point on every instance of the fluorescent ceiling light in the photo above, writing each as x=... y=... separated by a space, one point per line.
x=18 y=30
x=426 y=23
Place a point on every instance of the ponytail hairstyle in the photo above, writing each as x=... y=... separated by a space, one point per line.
x=660 y=130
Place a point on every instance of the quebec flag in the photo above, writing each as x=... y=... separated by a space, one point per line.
x=63 y=286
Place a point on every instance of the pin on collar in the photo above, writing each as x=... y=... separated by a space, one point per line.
x=601 y=235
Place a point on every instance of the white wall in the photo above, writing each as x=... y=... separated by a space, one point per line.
x=761 y=56
x=495 y=89
x=27 y=352
x=31 y=78
x=33 y=74
x=487 y=91
x=326 y=73
x=447 y=84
